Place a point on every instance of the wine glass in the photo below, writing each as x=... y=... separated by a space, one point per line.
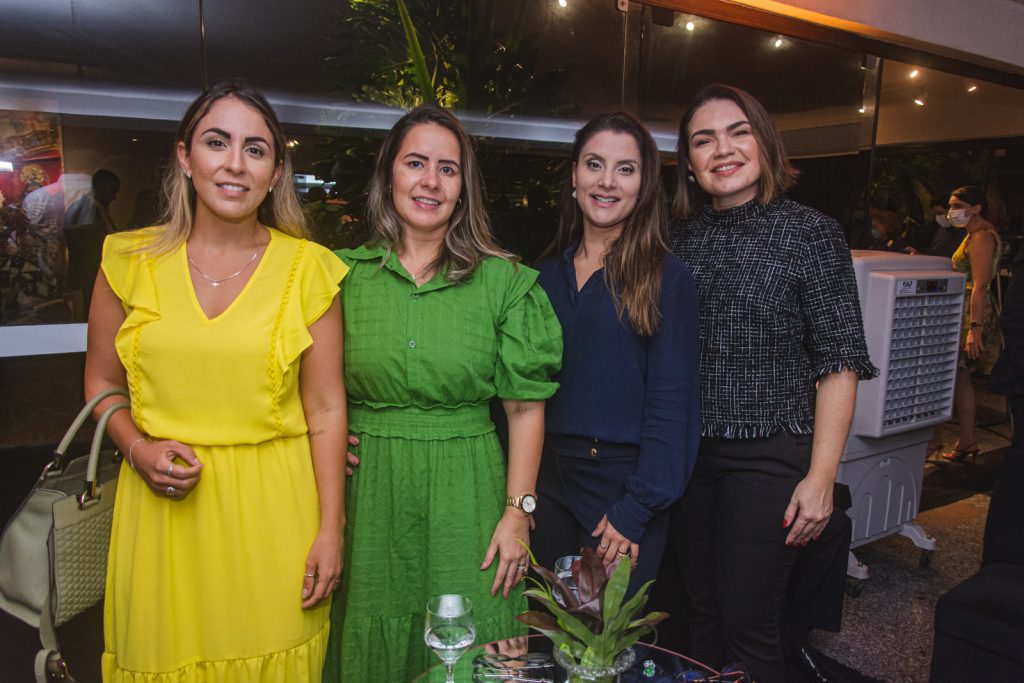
x=449 y=629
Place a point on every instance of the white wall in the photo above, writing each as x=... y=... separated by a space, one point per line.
x=991 y=29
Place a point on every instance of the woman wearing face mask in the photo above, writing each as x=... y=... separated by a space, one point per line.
x=782 y=349
x=439 y=320
x=623 y=428
x=978 y=258
x=225 y=326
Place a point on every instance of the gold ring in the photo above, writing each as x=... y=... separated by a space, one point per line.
x=621 y=554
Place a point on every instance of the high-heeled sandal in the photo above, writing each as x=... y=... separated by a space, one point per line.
x=960 y=454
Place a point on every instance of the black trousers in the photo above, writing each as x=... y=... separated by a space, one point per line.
x=730 y=547
x=575 y=490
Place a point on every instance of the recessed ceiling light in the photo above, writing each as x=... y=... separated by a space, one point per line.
x=862 y=110
x=690 y=26
x=562 y=3
x=914 y=73
x=778 y=42
x=972 y=88
x=919 y=102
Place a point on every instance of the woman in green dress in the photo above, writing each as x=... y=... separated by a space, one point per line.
x=439 y=320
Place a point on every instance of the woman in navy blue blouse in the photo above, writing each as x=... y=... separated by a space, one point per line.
x=782 y=348
x=622 y=430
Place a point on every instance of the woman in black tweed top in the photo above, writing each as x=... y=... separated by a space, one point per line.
x=782 y=349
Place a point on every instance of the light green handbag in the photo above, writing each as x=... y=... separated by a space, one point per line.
x=53 y=552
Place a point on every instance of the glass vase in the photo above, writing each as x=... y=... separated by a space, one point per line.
x=595 y=674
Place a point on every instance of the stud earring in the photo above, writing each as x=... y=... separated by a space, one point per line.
x=574 y=193
x=188 y=174
x=691 y=178
x=458 y=202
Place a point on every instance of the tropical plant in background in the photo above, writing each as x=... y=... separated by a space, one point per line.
x=476 y=56
x=595 y=626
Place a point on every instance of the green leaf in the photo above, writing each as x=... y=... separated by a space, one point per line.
x=615 y=591
x=419 y=60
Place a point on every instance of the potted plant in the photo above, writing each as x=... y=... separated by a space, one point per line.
x=594 y=632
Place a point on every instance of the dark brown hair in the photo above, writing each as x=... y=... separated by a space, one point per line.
x=777 y=175
x=633 y=265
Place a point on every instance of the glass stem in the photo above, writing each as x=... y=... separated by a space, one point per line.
x=449 y=673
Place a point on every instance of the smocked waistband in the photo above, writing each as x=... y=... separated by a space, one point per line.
x=412 y=422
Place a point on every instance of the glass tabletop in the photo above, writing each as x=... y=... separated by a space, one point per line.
x=528 y=660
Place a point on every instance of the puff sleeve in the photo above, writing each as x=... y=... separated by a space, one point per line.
x=529 y=340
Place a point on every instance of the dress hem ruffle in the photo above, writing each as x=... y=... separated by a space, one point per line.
x=303 y=662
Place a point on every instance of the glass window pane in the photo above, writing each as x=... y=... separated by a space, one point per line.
x=923 y=105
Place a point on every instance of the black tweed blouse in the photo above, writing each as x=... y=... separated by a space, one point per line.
x=778 y=311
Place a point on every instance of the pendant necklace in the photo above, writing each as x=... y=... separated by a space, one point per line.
x=214 y=282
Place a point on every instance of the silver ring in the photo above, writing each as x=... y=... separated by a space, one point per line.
x=603 y=546
x=309 y=576
x=170 y=490
x=170 y=469
x=621 y=554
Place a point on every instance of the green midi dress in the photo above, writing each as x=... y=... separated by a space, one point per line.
x=421 y=365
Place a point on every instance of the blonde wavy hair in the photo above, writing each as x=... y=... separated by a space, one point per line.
x=468 y=239
x=280 y=209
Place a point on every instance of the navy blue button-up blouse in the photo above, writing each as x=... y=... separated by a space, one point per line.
x=619 y=386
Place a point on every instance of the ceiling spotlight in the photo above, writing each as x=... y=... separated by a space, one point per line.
x=690 y=26
x=862 y=110
x=135 y=139
x=972 y=88
x=778 y=42
x=919 y=102
x=914 y=73
x=292 y=144
x=563 y=3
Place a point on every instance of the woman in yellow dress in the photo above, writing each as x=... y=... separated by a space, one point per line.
x=228 y=525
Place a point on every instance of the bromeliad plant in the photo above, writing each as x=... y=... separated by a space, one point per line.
x=594 y=627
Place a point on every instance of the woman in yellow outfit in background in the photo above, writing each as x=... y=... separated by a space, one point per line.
x=225 y=327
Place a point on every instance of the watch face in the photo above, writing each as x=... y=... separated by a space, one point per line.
x=529 y=504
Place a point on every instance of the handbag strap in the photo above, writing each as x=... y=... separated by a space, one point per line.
x=91 y=492
x=83 y=415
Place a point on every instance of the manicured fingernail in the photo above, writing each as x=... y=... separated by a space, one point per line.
x=785 y=524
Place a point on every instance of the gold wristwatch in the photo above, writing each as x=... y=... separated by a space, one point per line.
x=526 y=502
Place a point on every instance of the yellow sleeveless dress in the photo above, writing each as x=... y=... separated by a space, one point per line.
x=208 y=588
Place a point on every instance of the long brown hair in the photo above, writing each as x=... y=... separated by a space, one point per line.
x=777 y=175
x=280 y=208
x=633 y=265
x=468 y=239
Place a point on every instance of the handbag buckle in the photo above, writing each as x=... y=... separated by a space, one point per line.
x=90 y=496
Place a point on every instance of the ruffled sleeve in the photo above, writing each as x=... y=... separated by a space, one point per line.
x=125 y=269
x=313 y=282
x=529 y=340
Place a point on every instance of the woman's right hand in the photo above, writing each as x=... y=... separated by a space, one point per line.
x=160 y=464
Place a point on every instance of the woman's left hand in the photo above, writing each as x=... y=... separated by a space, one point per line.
x=323 y=568
x=510 y=544
x=614 y=545
x=809 y=511
x=973 y=345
